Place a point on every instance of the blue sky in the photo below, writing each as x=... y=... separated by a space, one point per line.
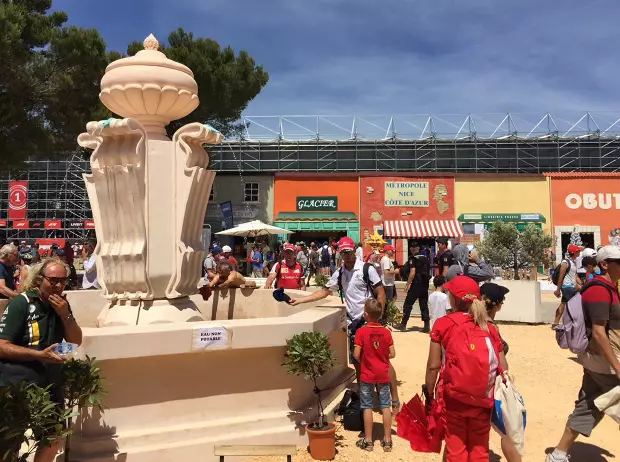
x=396 y=56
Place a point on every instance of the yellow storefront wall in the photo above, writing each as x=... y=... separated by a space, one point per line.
x=503 y=195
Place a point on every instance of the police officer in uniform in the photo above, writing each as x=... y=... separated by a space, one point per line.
x=445 y=259
x=417 y=287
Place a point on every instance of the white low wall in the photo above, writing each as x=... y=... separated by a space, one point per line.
x=523 y=303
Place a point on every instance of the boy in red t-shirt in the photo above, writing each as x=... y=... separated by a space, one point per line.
x=374 y=348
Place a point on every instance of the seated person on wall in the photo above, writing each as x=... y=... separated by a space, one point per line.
x=226 y=278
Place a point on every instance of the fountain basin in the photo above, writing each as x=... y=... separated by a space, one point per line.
x=173 y=396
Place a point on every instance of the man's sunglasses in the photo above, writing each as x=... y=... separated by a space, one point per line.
x=56 y=281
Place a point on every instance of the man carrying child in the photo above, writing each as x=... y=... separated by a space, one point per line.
x=374 y=348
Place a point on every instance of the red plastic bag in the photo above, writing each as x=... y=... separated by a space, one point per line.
x=424 y=430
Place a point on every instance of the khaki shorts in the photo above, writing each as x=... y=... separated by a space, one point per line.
x=586 y=415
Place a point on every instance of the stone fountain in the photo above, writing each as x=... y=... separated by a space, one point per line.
x=175 y=389
x=148 y=193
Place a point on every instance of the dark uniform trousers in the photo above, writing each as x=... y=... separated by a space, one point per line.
x=417 y=292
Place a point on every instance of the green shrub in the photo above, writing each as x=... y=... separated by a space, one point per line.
x=310 y=356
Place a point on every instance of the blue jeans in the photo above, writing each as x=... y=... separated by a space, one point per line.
x=383 y=390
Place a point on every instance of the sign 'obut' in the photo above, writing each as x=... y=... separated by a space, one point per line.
x=591 y=201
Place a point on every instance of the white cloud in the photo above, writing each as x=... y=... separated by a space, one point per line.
x=406 y=56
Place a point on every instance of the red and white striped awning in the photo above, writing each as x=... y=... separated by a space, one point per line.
x=422 y=228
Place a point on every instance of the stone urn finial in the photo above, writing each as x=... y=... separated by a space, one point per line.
x=150 y=88
x=150 y=43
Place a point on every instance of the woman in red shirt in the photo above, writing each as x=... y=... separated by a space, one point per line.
x=466 y=353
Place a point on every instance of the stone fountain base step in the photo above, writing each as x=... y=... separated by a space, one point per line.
x=196 y=442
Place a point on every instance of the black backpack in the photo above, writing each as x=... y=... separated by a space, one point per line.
x=369 y=288
x=325 y=257
x=351 y=412
x=556 y=271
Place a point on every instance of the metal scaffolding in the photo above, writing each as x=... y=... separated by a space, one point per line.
x=492 y=143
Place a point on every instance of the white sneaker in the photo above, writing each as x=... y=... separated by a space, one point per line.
x=550 y=458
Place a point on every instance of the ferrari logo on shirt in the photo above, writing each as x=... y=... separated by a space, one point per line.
x=284 y=270
x=376 y=345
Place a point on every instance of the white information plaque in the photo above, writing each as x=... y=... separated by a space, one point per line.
x=210 y=338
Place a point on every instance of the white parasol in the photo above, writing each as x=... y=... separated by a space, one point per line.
x=253 y=229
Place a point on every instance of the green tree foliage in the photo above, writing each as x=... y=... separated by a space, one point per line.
x=49 y=81
x=505 y=245
x=27 y=406
x=226 y=82
x=50 y=75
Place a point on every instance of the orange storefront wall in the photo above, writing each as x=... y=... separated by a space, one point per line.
x=587 y=202
x=286 y=191
x=373 y=210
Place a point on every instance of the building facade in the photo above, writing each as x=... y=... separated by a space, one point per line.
x=588 y=204
x=317 y=208
x=405 y=208
x=482 y=200
x=251 y=198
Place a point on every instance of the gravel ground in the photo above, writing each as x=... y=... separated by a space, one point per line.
x=545 y=375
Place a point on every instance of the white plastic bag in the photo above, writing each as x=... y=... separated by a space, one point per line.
x=509 y=414
x=609 y=403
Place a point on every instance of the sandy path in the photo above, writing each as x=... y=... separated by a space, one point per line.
x=546 y=377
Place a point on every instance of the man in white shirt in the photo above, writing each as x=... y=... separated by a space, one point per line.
x=355 y=291
x=90 y=266
x=388 y=273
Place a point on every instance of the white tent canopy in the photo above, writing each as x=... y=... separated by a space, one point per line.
x=253 y=229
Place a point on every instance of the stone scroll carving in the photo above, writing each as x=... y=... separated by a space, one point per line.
x=117 y=191
x=193 y=182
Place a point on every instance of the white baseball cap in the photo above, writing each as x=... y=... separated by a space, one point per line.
x=226 y=249
x=609 y=252
x=588 y=253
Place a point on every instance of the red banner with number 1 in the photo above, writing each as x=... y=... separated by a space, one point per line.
x=18 y=200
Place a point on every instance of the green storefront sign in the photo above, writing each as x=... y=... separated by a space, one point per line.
x=317 y=204
x=507 y=217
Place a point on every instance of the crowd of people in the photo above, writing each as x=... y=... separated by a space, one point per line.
x=458 y=313
x=18 y=258
x=466 y=351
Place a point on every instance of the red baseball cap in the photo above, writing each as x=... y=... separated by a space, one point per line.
x=346 y=243
x=574 y=248
x=290 y=247
x=463 y=288
x=388 y=247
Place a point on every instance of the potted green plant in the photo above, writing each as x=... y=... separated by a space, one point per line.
x=320 y=280
x=310 y=356
x=393 y=315
x=82 y=387
x=27 y=406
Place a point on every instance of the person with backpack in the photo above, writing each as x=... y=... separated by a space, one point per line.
x=468 y=264
x=473 y=358
x=567 y=281
x=601 y=367
x=288 y=273
x=355 y=281
x=417 y=288
x=326 y=259
x=313 y=262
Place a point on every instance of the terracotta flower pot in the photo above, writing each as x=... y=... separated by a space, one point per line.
x=322 y=442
